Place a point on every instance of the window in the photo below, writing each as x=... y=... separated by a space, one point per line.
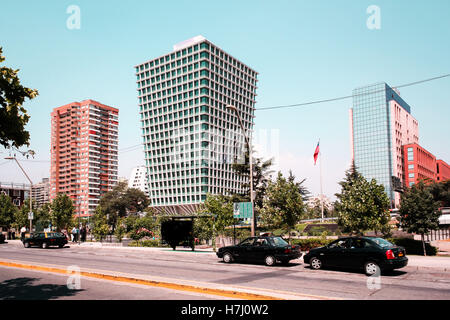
x=410 y=154
x=410 y=167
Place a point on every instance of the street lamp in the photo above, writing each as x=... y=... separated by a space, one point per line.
x=31 y=187
x=247 y=139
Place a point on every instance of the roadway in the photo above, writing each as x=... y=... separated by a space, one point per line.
x=204 y=269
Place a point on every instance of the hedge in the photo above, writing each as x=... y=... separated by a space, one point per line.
x=307 y=244
x=414 y=246
x=145 y=243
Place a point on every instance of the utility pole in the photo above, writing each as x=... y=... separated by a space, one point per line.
x=248 y=140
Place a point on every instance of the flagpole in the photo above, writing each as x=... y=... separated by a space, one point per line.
x=321 y=191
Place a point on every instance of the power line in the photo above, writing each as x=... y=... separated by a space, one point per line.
x=354 y=95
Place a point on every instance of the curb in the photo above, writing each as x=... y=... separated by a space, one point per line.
x=236 y=292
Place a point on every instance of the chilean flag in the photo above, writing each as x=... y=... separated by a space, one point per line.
x=316 y=153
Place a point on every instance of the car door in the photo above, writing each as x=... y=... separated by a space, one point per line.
x=358 y=252
x=337 y=253
x=260 y=249
x=244 y=249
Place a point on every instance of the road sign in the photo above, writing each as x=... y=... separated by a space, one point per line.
x=30 y=215
x=242 y=210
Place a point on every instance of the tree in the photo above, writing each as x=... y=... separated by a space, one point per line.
x=362 y=205
x=121 y=201
x=8 y=211
x=62 y=211
x=13 y=116
x=441 y=192
x=42 y=218
x=100 y=224
x=261 y=177
x=283 y=205
x=419 y=211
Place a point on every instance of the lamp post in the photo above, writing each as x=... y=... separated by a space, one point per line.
x=31 y=188
x=247 y=139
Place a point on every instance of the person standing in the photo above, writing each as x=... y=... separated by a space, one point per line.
x=22 y=233
x=74 y=234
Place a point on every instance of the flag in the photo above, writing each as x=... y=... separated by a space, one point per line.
x=316 y=153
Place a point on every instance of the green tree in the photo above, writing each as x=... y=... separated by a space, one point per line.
x=13 y=116
x=8 y=211
x=362 y=205
x=42 y=217
x=121 y=201
x=261 y=176
x=283 y=205
x=419 y=211
x=62 y=212
x=100 y=224
x=440 y=192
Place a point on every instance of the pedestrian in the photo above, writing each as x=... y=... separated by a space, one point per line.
x=83 y=234
x=74 y=234
x=13 y=233
x=22 y=233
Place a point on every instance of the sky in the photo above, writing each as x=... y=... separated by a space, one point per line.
x=303 y=50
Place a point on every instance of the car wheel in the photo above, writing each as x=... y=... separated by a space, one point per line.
x=227 y=257
x=270 y=260
x=26 y=244
x=44 y=245
x=315 y=263
x=61 y=246
x=371 y=268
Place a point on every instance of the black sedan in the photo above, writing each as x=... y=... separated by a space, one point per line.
x=373 y=255
x=45 y=240
x=260 y=249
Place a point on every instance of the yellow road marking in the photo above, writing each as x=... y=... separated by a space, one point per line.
x=168 y=285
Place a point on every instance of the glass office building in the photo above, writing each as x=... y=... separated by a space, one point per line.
x=190 y=136
x=380 y=124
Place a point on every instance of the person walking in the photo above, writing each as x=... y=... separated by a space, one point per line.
x=22 y=233
x=74 y=234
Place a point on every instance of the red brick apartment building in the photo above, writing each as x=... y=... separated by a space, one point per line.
x=84 y=160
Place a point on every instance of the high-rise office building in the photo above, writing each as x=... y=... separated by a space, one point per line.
x=84 y=159
x=139 y=179
x=41 y=192
x=190 y=136
x=381 y=123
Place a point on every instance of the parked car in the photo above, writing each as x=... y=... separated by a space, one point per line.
x=267 y=249
x=370 y=254
x=45 y=240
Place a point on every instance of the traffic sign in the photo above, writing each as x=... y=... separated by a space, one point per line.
x=242 y=210
x=30 y=215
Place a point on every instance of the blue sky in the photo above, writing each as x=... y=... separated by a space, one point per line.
x=303 y=51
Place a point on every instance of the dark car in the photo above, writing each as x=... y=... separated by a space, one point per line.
x=260 y=249
x=370 y=254
x=45 y=240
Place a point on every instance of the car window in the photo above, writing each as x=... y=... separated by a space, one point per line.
x=360 y=244
x=40 y=235
x=278 y=242
x=260 y=242
x=381 y=242
x=339 y=244
x=247 y=242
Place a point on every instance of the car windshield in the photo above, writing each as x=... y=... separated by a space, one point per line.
x=278 y=242
x=54 y=234
x=381 y=242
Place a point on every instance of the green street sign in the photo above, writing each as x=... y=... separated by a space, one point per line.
x=242 y=210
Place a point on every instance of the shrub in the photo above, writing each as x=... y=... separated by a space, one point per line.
x=307 y=244
x=414 y=246
x=145 y=243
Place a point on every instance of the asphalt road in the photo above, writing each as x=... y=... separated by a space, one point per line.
x=407 y=283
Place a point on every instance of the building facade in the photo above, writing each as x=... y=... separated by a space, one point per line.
x=41 y=192
x=381 y=123
x=442 y=171
x=190 y=136
x=18 y=192
x=419 y=164
x=139 y=179
x=84 y=160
